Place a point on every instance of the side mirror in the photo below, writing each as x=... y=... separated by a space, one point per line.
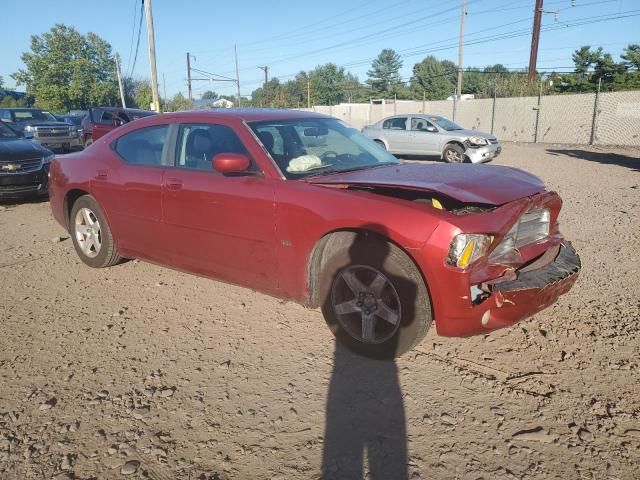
x=117 y=122
x=229 y=163
x=431 y=128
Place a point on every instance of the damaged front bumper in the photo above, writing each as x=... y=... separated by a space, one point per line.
x=483 y=154
x=527 y=291
x=532 y=291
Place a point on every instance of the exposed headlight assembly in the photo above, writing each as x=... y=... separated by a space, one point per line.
x=466 y=248
x=48 y=158
x=478 y=141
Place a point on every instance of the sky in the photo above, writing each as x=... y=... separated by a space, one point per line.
x=292 y=36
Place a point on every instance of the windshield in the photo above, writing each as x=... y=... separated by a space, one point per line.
x=35 y=115
x=6 y=132
x=446 y=124
x=302 y=148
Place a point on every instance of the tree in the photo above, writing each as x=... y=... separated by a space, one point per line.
x=385 y=72
x=631 y=57
x=431 y=78
x=66 y=70
x=209 y=95
x=178 y=103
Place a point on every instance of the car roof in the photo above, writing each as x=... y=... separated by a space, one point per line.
x=250 y=114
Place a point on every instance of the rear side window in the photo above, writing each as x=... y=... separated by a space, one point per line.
x=395 y=123
x=198 y=143
x=144 y=146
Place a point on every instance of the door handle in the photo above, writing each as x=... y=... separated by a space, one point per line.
x=101 y=175
x=174 y=184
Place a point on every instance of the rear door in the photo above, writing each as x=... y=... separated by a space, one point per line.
x=102 y=122
x=216 y=225
x=396 y=134
x=130 y=188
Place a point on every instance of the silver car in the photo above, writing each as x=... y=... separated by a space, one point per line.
x=432 y=135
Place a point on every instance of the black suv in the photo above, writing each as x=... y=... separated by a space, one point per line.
x=24 y=165
x=42 y=127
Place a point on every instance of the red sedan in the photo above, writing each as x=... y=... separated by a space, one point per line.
x=304 y=207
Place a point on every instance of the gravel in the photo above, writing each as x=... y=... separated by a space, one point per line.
x=142 y=371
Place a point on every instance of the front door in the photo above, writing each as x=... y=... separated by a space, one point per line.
x=216 y=225
x=424 y=141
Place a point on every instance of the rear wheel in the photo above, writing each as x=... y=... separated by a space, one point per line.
x=91 y=234
x=374 y=298
x=453 y=153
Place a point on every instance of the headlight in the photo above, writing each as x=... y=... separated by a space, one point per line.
x=29 y=128
x=73 y=132
x=48 y=158
x=478 y=141
x=466 y=248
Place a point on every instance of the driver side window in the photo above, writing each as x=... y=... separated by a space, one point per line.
x=421 y=125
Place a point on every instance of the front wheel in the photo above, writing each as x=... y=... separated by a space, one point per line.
x=91 y=234
x=374 y=299
x=453 y=153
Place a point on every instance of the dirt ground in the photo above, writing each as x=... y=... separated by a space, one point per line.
x=143 y=372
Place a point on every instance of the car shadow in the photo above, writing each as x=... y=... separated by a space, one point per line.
x=14 y=202
x=606 y=158
x=365 y=424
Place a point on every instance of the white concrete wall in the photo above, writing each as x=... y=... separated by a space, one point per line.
x=562 y=118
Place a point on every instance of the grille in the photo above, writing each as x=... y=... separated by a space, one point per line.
x=21 y=166
x=52 y=131
x=533 y=226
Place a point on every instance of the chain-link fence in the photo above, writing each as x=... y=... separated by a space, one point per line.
x=609 y=118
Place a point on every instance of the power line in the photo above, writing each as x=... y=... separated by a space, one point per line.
x=135 y=58
x=133 y=32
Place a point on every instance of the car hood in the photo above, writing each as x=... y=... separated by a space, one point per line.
x=469 y=183
x=17 y=149
x=468 y=133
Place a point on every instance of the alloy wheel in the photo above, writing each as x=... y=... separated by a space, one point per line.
x=88 y=233
x=366 y=304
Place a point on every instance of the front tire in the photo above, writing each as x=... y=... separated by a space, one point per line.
x=374 y=298
x=91 y=234
x=453 y=153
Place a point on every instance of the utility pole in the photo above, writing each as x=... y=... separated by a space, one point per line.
x=189 y=75
x=120 y=80
x=308 y=92
x=266 y=84
x=235 y=50
x=152 y=54
x=164 y=88
x=535 y=39
x=463 y=14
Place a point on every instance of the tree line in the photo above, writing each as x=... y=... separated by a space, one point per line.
x=65 y=70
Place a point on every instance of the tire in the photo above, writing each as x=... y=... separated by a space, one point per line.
x=381 y=143
x=91 y=234
x=398 y=289
x=88 y=142
x=453 y=153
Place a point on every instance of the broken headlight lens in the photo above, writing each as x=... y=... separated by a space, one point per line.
x=478 y=141
x=466 y=248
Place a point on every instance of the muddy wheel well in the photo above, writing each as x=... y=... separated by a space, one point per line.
x=69 y=200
